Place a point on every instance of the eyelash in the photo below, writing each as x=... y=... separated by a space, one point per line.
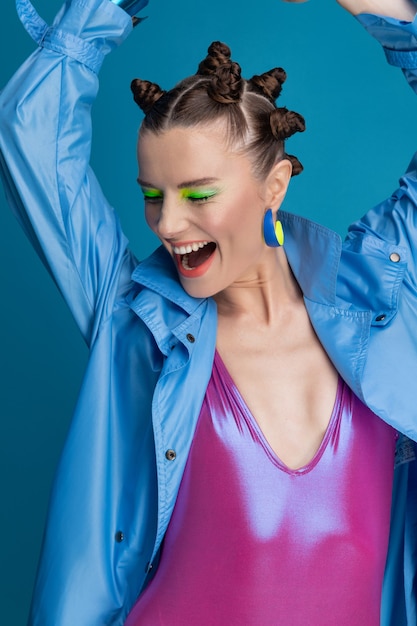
x=193 y=200
x=200 y=199
x=152 y=199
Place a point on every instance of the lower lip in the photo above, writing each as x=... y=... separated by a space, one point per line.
x=196 y=272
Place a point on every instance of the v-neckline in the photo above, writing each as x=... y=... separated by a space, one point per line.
x=251 y=420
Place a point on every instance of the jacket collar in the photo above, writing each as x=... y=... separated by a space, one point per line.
x=162 y=304
x=158 y=274
x=313 y=252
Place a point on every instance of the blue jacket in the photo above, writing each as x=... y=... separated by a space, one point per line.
x=152 y=345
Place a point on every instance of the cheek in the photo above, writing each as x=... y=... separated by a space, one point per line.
x=248 y=217
x=151 y=216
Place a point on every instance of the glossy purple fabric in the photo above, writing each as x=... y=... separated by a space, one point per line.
x=253 y=543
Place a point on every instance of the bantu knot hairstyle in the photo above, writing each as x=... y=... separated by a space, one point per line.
x=217 y=92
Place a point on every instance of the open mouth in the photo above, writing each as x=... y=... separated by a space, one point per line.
x=193 y=259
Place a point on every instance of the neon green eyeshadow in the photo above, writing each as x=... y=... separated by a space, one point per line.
x=151 y=193
x=198 y=195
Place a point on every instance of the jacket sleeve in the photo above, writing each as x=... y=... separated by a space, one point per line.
x=395 y=220
x=45 y=137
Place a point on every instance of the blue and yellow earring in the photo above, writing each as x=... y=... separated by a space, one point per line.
x=273 y=233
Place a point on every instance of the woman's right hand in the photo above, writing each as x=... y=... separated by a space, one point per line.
x=404 y=10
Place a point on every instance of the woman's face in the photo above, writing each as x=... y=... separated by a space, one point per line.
x=205 y=206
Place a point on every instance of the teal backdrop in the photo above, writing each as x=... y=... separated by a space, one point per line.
x=360 y=136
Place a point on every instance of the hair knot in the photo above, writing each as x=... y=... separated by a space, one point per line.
x=226 y=84
x=269 y=84
x=285 y=123
x=145 y=93
x=218 y=56
x=297 y=167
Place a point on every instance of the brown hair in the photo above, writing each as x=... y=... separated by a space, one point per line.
x=217 y=92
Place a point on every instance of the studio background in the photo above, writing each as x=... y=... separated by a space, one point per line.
x=360 y=136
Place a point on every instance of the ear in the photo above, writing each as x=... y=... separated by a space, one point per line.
x=276 y=183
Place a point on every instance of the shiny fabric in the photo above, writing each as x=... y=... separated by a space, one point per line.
x=152 y=346
x=300 y=547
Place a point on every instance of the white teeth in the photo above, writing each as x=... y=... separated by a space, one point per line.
x=184 y=263
x=191 y=247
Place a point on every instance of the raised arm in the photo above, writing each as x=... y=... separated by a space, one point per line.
x=398 y=9
x=395 y=220
x=378 y=267
x=377 y=273
x=45 y=135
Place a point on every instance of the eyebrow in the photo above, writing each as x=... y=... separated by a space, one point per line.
x=199 y=182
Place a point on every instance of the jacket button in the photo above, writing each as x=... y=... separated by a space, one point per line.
x=170 y=455
x=148 y=567
x=380 y=318
x=394 y=257
x=119 y=536
x=190 y=338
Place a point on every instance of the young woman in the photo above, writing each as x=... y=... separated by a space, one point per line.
x=227 y=463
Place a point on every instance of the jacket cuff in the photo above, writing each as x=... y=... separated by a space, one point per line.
x=132 y=7
x=399 y=39
x=85 y=30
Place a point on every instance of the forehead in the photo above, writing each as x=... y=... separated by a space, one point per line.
x=180 y=154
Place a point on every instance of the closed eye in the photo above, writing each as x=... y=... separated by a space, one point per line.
x=198 y=196
x=153 y=196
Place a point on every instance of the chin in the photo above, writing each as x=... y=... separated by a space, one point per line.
x=202 y=288
x=197 y=291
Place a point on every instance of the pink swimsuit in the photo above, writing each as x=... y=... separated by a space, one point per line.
x=253 y=543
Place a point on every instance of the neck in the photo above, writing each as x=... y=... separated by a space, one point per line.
x=265 y=294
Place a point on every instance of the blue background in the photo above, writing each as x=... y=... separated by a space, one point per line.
x=358 y=111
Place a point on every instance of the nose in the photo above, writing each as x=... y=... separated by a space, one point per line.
x=171 y=219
